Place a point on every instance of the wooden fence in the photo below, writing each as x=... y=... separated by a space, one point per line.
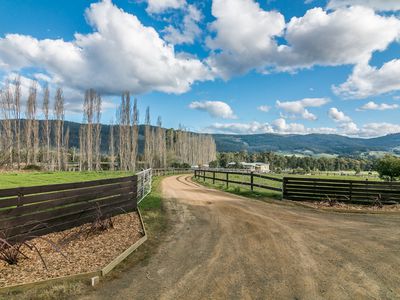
x=171 y=171
x=312 y=189
x=352 y=191
x=27 y=212
x=250 y=176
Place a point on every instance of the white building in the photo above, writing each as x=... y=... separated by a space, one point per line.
x=256 y=167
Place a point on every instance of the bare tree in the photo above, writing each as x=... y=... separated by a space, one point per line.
x=97 y=133
x=46 y=125
x=111 y=146
x=16 y=110
x=59 y=113
x=148 y=140
x=135 y=135
x=7 y=125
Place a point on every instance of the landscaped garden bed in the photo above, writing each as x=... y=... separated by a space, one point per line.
x=82 y=249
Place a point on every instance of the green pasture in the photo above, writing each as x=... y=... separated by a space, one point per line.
x=22 y=179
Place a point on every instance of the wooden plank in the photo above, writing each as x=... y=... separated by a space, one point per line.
x=36 y=207
x=107 y=269
x=341 y=180
x=59 y=187
x=268 y=177
x=44 y=216
x=37 y=199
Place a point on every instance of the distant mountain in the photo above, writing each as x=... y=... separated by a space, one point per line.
x=307 y=144
x=311 y=144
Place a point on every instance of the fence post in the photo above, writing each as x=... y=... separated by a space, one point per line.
x=284 y=190
x=351 y=191
x=213 y=177
x=252 y=181
x=204 y=176
x=227 y=179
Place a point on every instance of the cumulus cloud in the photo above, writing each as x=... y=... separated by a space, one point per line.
x=298 y=108
x=264 y=108
x=338 y=116
x=366 y=81
x=380 y=5
x=188 y=31
x=328 y=38
x=281 y=126
x=371 y=105
x=160 y=6
x=216 y=109
x=244 y=36
x=120 y=54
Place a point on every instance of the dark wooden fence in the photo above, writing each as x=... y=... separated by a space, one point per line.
x=248 y=176
x=352 y=191
x=312 y=189
x=33 y=211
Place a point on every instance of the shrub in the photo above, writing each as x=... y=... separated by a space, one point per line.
x=388 y=167
x=32 y=168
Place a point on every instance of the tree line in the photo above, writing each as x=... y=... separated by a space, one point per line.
x=28 y=141
x=279 y=163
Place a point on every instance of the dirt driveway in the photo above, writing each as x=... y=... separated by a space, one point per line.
x=225 y=246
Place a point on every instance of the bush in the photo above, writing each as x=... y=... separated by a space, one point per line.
x=32 y=168
x=388 y=167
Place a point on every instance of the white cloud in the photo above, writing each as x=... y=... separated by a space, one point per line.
x=121 y=54
x=217 y=109
x=371 y=105
x=344 y=36
x=244 y=36
x=160 y=6
x=298 y=108
x=380 y=5
x=280 y=126
x=378 y=129
x=366 y=81
x=338 y=116
x=264 y=108
x=188 y=31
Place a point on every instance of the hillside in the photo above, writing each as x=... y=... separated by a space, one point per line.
x=307 y=144
x=301 y=144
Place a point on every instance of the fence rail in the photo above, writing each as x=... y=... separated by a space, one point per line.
x=27 y=212
x=312 y=189
x=352 y=191
x=171 y=171
x=211 y=174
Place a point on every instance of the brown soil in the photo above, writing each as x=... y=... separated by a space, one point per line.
x=82 y=253
x=223 y=246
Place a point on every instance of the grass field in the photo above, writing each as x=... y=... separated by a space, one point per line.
x=20 y=179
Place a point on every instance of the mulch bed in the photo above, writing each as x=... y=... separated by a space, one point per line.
x=354 y=207
x=83 y=253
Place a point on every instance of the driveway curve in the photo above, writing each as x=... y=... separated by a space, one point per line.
x=223 y=246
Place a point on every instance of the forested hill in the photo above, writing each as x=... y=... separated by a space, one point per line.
x=302 y=144
x=307 y=144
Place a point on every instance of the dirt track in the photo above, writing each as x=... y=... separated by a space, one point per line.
x=225 y=246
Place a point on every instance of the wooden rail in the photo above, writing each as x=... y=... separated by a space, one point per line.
x=352 y=191
x=313 y=189
x=27 y=212
x=170 y=171
x=204 y=174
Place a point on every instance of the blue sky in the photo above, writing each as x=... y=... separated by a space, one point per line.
x=233 y=66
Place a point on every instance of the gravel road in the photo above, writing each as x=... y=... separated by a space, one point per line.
x=223 y=246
